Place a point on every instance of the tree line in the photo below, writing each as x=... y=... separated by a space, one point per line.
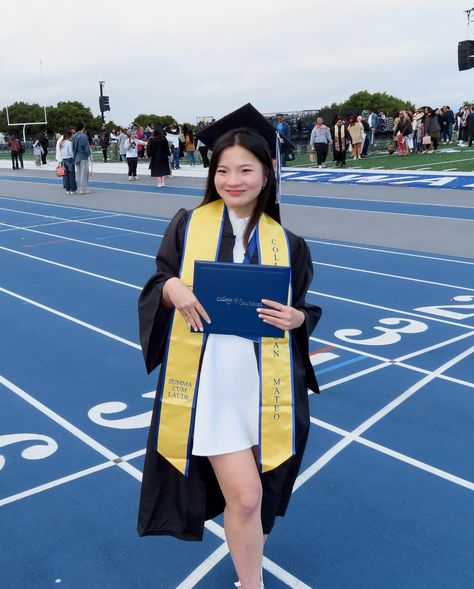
x=65 y=115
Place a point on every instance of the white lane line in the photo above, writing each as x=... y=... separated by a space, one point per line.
x=397 y=455
x=381 y=201
x=268 y=564
x=384 y=251
x=72 y=268
x=64 y=238
x=68 y=426
x=388 y=361
x=56 y=483
x=398 y=276
x=391 y=309
x=468 y=159
x=47 y=204
x=434 y=347
x=68 y=478
x=353 y=376
x=368 y=423
x=204 y=568
x=72 y=319
x=84 y=221
x=372 y=212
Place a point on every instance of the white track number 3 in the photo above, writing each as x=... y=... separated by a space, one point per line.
x=390 y=335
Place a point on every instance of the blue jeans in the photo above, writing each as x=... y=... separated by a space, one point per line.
x=447 y=132
x=190 y=158
x=175 y=158
x=69 y=178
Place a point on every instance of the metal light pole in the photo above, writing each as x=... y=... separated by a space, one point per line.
x=101 y=84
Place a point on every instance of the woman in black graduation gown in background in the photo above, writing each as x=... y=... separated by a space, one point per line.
x=223 y=473
x=158 y=151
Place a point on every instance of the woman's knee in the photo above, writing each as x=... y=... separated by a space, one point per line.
x=245 y=502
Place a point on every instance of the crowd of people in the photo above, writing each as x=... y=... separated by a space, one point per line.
x=419 y=131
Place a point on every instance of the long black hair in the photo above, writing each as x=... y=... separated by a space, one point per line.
x=253 y=142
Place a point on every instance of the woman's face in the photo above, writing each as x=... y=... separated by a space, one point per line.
x=239 y=179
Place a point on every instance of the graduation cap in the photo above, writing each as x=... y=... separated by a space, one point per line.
x=247 y=117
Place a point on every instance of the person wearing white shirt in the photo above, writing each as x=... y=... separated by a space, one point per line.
x=66 y=157
x=131 y=152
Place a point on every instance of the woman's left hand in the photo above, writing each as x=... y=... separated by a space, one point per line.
x=281 y=316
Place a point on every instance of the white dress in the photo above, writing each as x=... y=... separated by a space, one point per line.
x=227 y=408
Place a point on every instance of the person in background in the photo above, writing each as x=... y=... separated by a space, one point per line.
x=339 y=142
x=355 y=130
x=284 y=130
x=141 y=137
x=81 y=150
x=113 y=145
x=14 y=146
x=373 y=122
x=131 y=147
x=367 y=133
x=403 y=129
x=203 y=150
x=319 y=140
x=42 y=137
x=418 y=130
x=104 y=141
x=470 y=127
x=189 y=146
x=463 y=132
x=158 y=151
x=432 y=128
x=67 y=159
x=37 y=152
x=122 y=138
x=447 y=123
x=172 y=135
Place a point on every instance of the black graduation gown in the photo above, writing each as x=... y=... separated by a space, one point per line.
x=158 y=151
x=170 y=503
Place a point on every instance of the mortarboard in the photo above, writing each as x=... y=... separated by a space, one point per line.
x=245 y=116
x=248 y=117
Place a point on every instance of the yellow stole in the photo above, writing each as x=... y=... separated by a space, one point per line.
x=181 y=365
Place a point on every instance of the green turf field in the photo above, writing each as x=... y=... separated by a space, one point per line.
x=453 y=159
x=447 y=158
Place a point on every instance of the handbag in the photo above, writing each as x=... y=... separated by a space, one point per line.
x=59 y=170
x=426 y=140
x=312 y=157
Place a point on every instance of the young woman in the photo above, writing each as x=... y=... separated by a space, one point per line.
x=211 y=447
x=131 y=152
x=189 y=147
x=67 y=159
x=355 y=130
x=158 y=151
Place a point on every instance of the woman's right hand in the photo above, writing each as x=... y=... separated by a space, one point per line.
x=183 y=299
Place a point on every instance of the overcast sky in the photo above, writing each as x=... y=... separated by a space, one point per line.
x=207 y=57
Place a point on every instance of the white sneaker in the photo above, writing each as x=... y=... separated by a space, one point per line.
x=136 y=178
x=130 y=178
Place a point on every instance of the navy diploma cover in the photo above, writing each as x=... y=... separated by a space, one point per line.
x=232 y=293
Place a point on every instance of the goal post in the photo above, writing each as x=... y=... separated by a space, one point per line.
x=24 y=125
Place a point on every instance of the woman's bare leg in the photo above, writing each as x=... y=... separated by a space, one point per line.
x=240 y=484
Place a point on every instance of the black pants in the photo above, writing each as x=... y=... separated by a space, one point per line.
x=340 y=157
x=132 y=166
x=104 y=153
x=321 y=152
x=43 y=156
x=205 y=160
x=15 y=160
